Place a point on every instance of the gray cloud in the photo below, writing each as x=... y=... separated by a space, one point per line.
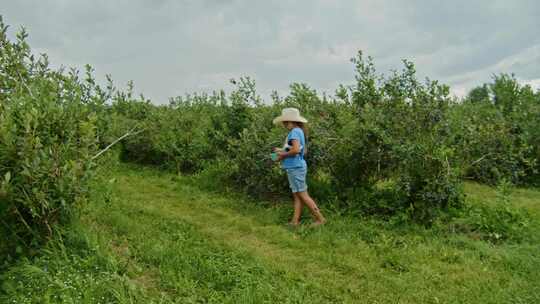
x=173 y=47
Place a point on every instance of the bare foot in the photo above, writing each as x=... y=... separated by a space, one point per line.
x=293 y=224
x=318 y=223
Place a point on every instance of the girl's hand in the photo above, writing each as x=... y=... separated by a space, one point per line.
x=282 y=155
x=275 y=149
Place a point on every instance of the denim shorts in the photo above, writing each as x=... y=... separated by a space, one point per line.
x=297 y=179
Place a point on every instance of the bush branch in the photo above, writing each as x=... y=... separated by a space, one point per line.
x=129 y=133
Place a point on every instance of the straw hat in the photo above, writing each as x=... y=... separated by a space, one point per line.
x=289 y=114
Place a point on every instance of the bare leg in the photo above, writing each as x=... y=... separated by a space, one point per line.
x=297 y=210
x=306 y=199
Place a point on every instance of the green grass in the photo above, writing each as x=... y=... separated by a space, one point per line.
x=522 y=198
x=71 y=269
x=153 y=237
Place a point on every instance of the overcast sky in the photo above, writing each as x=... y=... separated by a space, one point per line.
x=170 y=48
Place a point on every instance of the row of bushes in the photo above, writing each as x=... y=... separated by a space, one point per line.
x=384 y=145
x=48 y=136
x=497 y=131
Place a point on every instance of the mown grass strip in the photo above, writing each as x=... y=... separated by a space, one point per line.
x=344 y=262
x=192 y=268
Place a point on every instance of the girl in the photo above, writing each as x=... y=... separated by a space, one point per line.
x=292 y=161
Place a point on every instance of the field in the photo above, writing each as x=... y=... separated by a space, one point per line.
x=110 y=198
x=156 y=237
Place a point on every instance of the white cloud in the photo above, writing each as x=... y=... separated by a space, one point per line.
x=461 y=83
x=534 y=83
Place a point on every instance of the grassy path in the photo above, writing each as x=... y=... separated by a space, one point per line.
x=184 y=245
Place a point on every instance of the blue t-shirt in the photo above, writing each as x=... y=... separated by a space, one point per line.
x=296 y=161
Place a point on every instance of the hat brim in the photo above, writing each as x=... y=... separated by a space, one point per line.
x=282 y=118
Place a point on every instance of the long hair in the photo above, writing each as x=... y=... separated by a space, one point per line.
x=304 y=128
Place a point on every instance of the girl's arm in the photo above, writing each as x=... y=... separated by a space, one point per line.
x=295 y=149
